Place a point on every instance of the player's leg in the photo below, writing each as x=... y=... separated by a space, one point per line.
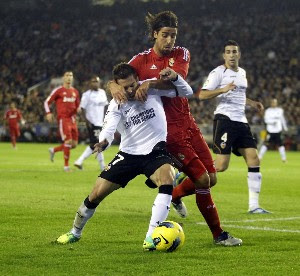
x=70 y=134
x=163 y=178
x=264 y=147
x=254 y=179
x=13 y=138
x=54 y=150
x=222 y=162
x=281 y=147
x=86 y=210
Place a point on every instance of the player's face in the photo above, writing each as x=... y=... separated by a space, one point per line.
x=164 y=40
x=130 y=85
x=274 y=103
x=12 y=106
x=95 y=83
x=231 y=56
x=68 y=78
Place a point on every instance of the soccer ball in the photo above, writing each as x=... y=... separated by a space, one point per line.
x=168 y=236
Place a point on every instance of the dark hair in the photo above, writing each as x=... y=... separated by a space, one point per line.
x=231 y=43
x=123 y=71
x=157 y=21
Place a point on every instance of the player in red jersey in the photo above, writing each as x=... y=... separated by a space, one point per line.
x=184 y=141
x=67 y=101
x=13 y=116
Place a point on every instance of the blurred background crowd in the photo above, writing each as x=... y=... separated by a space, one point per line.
x=40 y=39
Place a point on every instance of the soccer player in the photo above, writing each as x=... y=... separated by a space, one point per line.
x=184 y=141
x=275 y=122
x=66 y=99
x=231 y=132
x=143 y=130
x=92 y=105
x=13 y=116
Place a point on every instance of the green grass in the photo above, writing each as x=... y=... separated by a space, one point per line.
x=39 y=202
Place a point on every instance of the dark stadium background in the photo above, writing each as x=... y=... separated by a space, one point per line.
x=40 y=38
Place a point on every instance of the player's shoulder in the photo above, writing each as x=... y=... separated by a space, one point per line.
x=221 y=69
x=141 y=55
x=57 y=89
x=242 y=70
x=182 y=51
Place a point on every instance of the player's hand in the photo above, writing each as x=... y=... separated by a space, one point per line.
x=117 y=92
x=23 y=122
x=49 y=117
x=230 y=86
x=99 y=147
x=258 y=106
x=168 y=74
x=142 y=92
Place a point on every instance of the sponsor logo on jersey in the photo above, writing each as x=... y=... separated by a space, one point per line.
x=69 y=99
x=140 y=118
x=153 y=67
x=171 y=62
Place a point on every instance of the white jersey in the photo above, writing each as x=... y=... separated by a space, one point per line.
x=275 y=120
x=141 y=125
x=93 y=102
x=232 y=103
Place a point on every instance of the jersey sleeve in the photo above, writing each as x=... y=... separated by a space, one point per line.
x=283 y=121
x=213 y=80
x=84 y=100
x=111 y=121
x=52 y=97
x=182 y=63
x=183 y=89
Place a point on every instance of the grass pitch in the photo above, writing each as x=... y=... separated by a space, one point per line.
x=39 y=202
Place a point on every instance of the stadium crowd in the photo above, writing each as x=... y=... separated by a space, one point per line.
x=38 y=46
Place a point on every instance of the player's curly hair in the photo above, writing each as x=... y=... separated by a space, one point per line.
x=123 y=71
x=157 y=21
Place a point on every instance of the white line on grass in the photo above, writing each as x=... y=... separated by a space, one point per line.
x=265 y=219
x=255 y=228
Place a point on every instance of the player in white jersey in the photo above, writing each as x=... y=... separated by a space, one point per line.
x=143 y=129
x=228 y=83
x=93 y=104
x=276 y=123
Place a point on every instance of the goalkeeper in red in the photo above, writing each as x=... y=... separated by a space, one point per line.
x=67 y=100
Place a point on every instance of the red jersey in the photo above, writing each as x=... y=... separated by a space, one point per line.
x=66 y=99
x=148 y=65
x=13 y=116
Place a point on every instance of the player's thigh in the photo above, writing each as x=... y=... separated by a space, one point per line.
x=74 y=133
x=163 y=175
x=224 y=135
x=202 y=150
x=123 y=168
x=102 y=189
x=251 y=157
x=65 y=129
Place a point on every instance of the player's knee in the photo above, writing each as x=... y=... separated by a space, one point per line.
x=221 y=167
x=203 y=181
x=213 y=179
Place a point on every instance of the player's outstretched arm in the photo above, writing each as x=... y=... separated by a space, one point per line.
x=257 y=105
x=209 y=94
x=101 y=146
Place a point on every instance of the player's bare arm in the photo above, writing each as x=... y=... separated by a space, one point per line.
x=209 y=94
x=117 y=92
x=257 y=105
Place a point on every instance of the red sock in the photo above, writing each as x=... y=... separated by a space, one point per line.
x=66 y=154
x=209 y=211
x=59 y=148
x=185 y=188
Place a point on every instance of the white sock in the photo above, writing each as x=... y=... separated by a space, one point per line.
x=87 y=152
x=282 y=153
x=160 y=211
x=254 y=186
x=262 y=151
x=82 y=216
x=100 y=158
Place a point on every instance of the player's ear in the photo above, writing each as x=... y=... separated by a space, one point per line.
x=155 y=34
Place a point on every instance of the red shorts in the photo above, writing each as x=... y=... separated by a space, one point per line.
x=14 y=131
x=68 y=129
x=190 y=150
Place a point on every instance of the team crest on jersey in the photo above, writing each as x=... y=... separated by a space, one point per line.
x=181 y=156
x=171 y=62
x=74 y=94
x=223 y=145
x=153 y=67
